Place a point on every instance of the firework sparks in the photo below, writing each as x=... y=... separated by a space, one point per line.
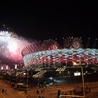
x=73 y=42
x=11 y=46
x=50 y=44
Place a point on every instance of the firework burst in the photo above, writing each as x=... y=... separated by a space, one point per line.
x=50 y=44
x=73 y=42
x=11 y=45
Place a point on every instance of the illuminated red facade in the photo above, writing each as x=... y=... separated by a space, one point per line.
x=59 y=56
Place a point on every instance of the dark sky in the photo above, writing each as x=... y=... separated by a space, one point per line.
x=51 y=19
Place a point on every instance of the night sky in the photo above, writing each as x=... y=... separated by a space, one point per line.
x=51 y=19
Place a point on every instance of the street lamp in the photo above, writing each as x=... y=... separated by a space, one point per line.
x=82 y=73
x=27 y=79
x=83 y=80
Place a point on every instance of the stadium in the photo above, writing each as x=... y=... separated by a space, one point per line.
x=50 y=54
x=52 y=63
x=62 y=56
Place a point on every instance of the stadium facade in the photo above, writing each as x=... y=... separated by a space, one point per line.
x=60 y=56
x=49 y=53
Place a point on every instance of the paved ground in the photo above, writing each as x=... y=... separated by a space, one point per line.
x=48 y=92
x=10 y=92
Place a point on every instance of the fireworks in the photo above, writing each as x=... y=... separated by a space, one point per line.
x=11 y=46
x=73 y=42
x=8 y=34
x=36 y=46
x=50 y=44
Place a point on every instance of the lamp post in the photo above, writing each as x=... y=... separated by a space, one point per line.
x=82 y=73
x=27 y=79
x=83 y=80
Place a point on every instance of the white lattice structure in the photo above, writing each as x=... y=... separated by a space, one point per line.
x=48 y=57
